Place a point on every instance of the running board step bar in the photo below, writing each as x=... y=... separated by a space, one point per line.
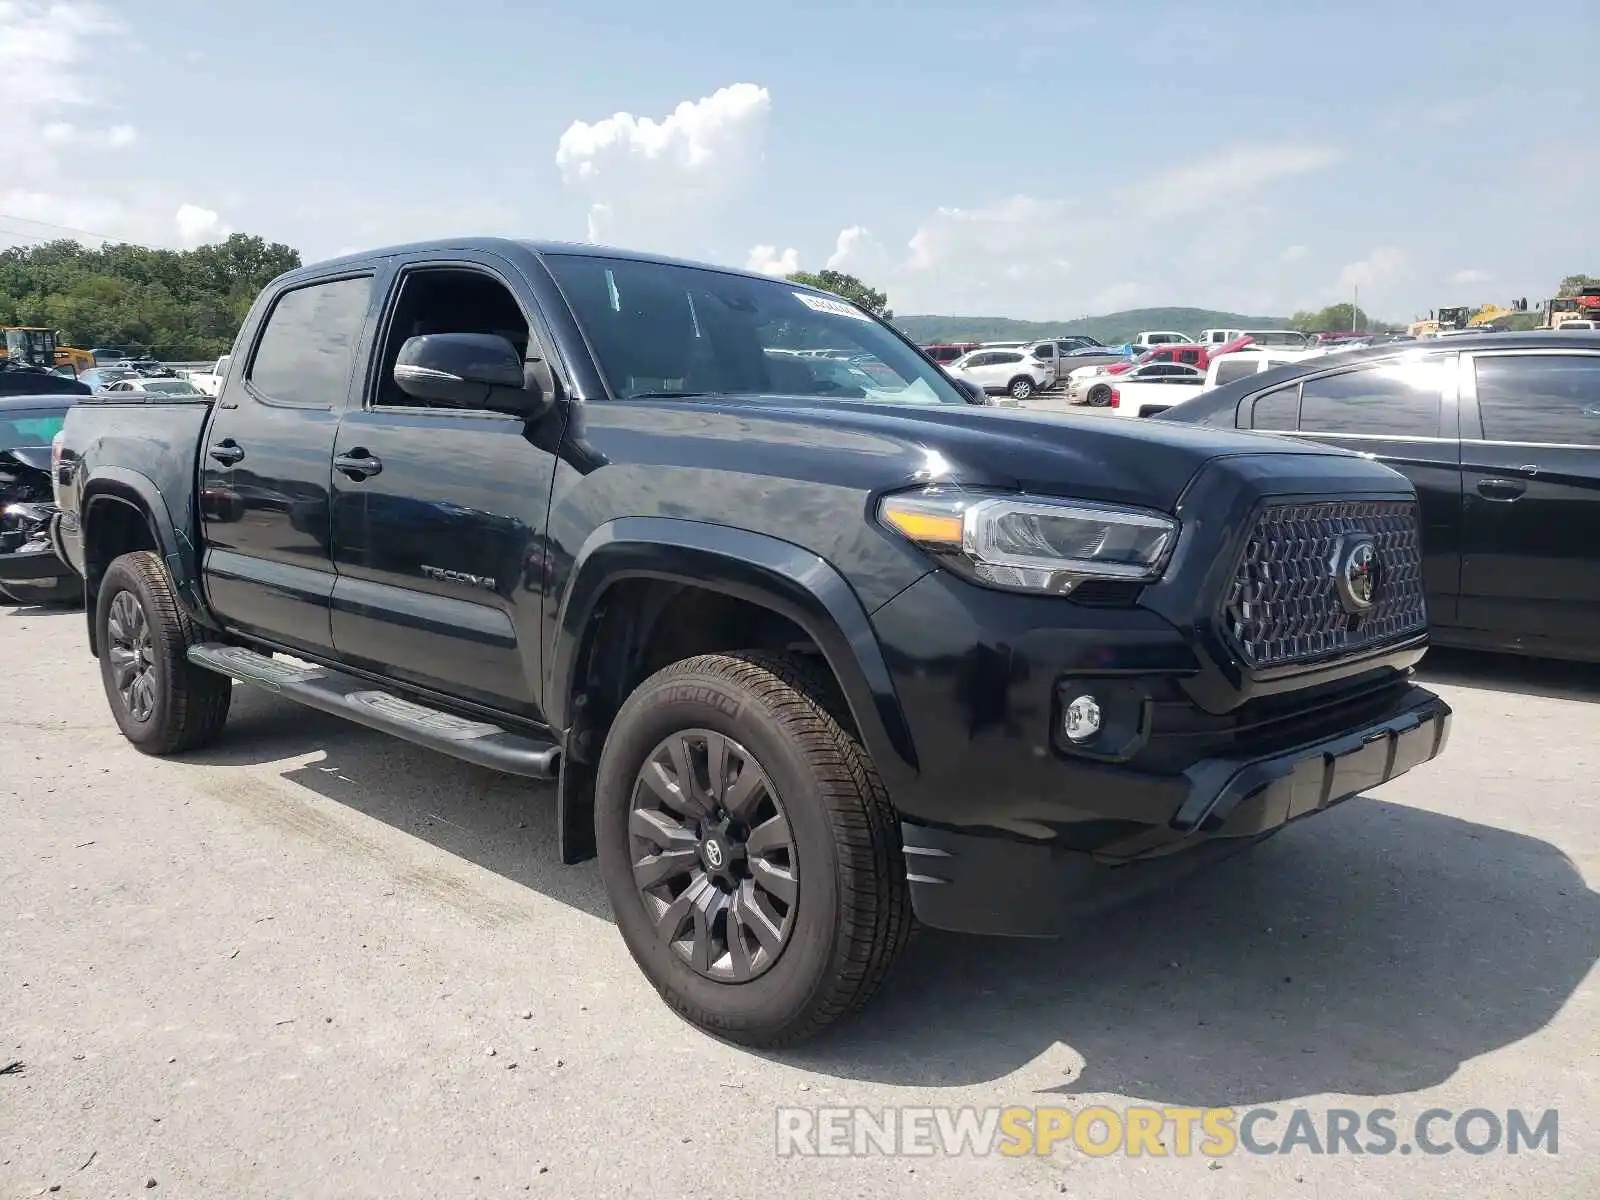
x=357 y=700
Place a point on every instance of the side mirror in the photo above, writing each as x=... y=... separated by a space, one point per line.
x=973 y=393
x=473 y=370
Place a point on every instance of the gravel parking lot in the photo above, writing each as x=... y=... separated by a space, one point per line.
x=314 y=961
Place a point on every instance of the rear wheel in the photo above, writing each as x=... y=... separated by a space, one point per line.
x=162 y=702
x=748 y=847
x=1021 y=388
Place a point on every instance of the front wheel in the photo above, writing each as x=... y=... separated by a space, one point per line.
x=1021 y=388
x=1100 y=395
x=749 y=849
x=162 y=702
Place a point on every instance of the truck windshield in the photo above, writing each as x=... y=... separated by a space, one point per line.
x=660 y=329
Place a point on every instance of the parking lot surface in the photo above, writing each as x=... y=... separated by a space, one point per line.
x=315 y=961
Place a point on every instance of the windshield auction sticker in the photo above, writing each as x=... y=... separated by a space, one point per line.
x=836 y=308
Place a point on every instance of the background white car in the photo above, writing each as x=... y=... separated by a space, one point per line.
x=1013 y=373
x=166 y=387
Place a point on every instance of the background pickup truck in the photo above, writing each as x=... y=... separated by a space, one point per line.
x=805 y=658
x=210 y=382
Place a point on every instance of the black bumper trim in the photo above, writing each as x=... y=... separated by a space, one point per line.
x=28 y=566
x=985 y=882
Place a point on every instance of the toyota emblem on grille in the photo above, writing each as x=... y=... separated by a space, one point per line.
x=1356 y=575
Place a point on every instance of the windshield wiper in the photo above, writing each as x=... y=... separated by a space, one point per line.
x=667 y=395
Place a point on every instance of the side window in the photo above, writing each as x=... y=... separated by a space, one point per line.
x=445 y=300
x=1548 y=398
x=1008 y=357
x=1279 y=410
x=1388 y=400
x=305 y=353
x=1044 y=350
x=1231 y=367
x=981 y=360
x=1189 y=357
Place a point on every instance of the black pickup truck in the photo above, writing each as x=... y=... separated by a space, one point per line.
x=811 y=641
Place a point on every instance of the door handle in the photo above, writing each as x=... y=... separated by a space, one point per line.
x=358 y=463
x=227 y=452
x=1501 y=489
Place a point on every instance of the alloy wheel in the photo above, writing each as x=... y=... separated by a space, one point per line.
x=132 y=656
x=713 y=855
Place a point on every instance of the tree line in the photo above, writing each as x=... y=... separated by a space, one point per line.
x=189 y=304
x=182 y=305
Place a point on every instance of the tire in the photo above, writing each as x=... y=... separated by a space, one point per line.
x=1020 y=388
x=851 y=911
x=179 y=706
x=1100 y=395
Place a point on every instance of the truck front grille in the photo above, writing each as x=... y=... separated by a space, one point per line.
x=1285 y=603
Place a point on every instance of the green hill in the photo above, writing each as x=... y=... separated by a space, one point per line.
x=1111 y=328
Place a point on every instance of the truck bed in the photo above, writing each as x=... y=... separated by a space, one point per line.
x=134 y=434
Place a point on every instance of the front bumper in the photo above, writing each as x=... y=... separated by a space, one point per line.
x=998 y=884
x=36 y=564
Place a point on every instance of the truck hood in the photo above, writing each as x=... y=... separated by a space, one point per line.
x=1087 y=457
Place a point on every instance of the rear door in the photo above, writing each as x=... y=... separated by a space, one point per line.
x=1531 y=467
x=1403 y=412
x=265 y=461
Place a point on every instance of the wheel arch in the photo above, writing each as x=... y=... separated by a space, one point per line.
x=123 y=511
x=793 y=584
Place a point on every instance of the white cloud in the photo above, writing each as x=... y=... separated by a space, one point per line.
x=665 y=182
x=198 y=226
x=1384 y=266
x=857 y=252
x=1470 y=275
x=46 y=53
x=769 y=261
x=1112 y=248
x=64 y=133
x=1226 y=174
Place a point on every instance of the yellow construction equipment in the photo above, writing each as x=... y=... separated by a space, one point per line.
x=38 y=346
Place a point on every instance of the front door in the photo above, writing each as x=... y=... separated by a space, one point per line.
x=1531 y=470
x=265 y=461
x=438 y=528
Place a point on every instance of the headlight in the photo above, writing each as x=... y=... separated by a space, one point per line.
x=1031 y=544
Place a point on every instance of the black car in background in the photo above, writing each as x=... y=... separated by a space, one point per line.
x=1501 y=436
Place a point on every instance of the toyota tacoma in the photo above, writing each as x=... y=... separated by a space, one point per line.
x=807 y=654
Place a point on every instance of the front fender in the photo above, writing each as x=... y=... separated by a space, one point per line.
x=763 y=570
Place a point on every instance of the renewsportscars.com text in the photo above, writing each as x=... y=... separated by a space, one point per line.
x=1100 y=1131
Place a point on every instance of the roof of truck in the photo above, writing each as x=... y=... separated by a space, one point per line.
x=500 y=245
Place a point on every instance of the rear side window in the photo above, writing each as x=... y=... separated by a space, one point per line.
x=1009 y=356
x=1044 y=350
x=1387 y=400
x=1189 y=357
x=1229 y=369
x=307 y=349
x=1279 y=410
x=1548 y=398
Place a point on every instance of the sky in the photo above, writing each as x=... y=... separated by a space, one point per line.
x=1039 y=160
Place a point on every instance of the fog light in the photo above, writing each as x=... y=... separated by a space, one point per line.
x=1082 y=719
